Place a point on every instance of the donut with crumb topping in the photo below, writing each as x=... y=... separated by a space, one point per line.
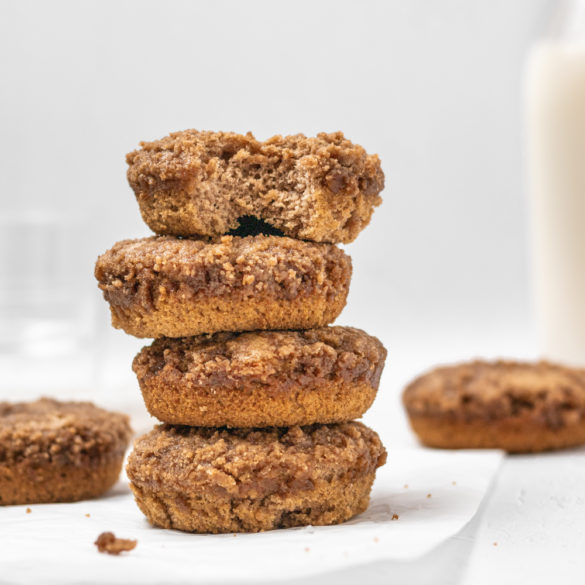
x=169 y=287
x=201 y=183
x=261 y=378
x=247 y=480
x=515 y=406
x=54 y=451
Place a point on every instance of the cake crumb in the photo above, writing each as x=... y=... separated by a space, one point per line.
x=107 y=543
x=405 y=486
x=495 y=544
x=87 y=515
x=453 y=483
x=429 y=495
x=28 y=510
x=376 y=539
x=395 y=516
x=307 y=549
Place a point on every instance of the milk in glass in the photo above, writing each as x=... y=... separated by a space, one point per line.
x=556 y=164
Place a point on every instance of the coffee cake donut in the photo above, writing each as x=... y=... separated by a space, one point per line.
x=54 y=451
x=194 y=183
x=168 y=287
x=515 y=406
x=261 y=378
x=218 y=480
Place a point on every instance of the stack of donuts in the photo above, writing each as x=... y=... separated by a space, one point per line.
x=256 y=391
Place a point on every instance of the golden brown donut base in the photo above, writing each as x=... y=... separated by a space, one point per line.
x=520 y=435
x=178 y=317
x=57 y=483
x=321 y=188
x=328 y=503
x=258 y=406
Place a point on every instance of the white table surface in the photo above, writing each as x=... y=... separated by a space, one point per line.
x=530 y=527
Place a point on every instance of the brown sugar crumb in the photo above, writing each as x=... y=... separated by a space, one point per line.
x=231 y=460
x=395 y=516
x=135 y=270
x=429 y=495
x=236 y=360
x=87 y=515
x=67 y=432
x=107 y=543
x=28 y=510
x=170 y=287
x=484 y=390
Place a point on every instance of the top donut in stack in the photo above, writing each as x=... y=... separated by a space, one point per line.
x=247 y=233
x=192 y=183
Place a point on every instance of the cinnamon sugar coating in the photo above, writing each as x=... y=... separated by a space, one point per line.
x=59 y=451
x=218 y=480
x=517 y=406
x=164 y=286
x=321 y=188
x=261 y=378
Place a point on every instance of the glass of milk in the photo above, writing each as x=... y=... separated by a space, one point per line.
x=556 y=165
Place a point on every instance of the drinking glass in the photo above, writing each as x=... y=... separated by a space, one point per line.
x=47 y=308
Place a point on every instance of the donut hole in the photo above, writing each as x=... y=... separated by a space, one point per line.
x=250 y=225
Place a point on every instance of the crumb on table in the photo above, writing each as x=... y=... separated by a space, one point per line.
x=395 y=516
x=107 y=543
x=28 y=510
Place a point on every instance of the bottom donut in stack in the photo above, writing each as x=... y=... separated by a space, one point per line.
x=247 y=480
x=271 y=442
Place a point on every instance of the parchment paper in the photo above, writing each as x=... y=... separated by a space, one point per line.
x=421 y=497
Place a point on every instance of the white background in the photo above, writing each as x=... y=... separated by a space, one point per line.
x=435 y=88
